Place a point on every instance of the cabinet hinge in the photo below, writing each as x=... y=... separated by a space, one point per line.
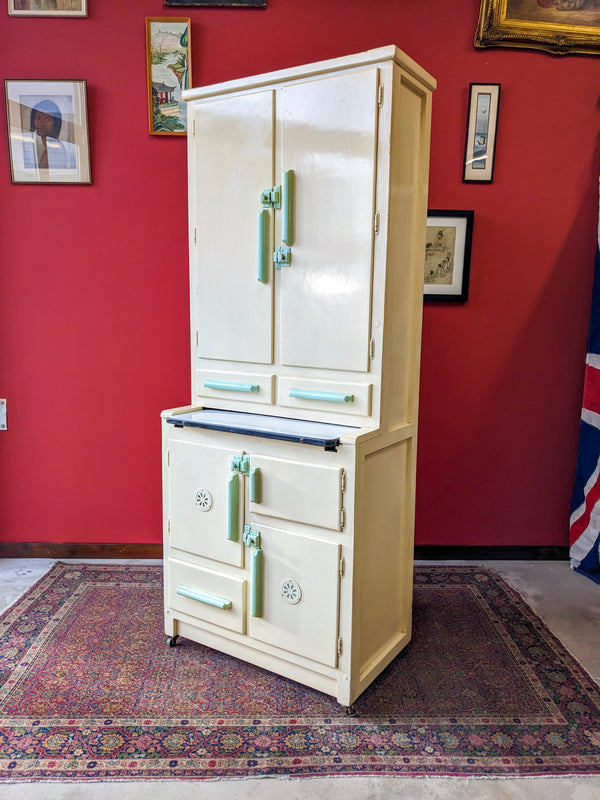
x=342 y=566
x=372 y=349
x=377 y=222
x=342 y=518
x=380 y=95
x=194 y=126
x=195 y=233
x=340 y=647
x=343 y=481
x=168 y=458
x=169 y=527
x=197 y=339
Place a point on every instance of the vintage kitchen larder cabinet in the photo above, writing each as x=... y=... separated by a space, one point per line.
x=289 y=481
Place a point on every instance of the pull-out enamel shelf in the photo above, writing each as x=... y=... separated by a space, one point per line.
x=302 y=431
x=289 y=480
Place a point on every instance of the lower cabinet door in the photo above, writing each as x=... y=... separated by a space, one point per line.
x=309 y=493
x=300 y=601
x=206 y=502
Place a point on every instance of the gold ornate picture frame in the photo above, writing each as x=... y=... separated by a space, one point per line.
x=556 y=26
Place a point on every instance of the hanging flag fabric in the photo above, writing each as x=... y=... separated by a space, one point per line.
x=585 y=509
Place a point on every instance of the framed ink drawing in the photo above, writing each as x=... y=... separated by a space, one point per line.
x=557 y=26
x=47 y=125
x=47 y=8
x=169 y=69
x=448 y=255
x=482 y=123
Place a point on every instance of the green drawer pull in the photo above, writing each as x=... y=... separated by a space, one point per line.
x=262 y=255
x=329 y=397
x=231 y=386
x=255 y=485
x=204 y=597
x=287 y=208
x=233 y=503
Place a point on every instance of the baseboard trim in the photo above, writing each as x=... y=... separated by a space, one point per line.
x=78 y=550
x=427 y=552
x=493 y=553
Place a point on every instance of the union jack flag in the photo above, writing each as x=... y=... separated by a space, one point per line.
x=584 y=535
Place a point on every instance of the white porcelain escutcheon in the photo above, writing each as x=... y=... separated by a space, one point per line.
x=203 y=499
x=291 y=591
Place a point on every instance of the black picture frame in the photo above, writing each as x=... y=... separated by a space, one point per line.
x=448 y=243
x=216 y=3
x=482 y=126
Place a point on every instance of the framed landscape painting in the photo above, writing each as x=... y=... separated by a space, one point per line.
x=47 y=8
x=169 y=68
x=557 y=26
x=47 y=125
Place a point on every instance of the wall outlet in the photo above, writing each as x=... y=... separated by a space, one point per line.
x=2 y=414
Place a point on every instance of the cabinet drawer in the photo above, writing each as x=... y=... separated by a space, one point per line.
x=246 y=386
x=207 y=595
x=341 y=398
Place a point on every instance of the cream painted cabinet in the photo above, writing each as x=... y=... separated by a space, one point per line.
x=289 y=479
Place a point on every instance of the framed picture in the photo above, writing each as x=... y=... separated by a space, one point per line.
x=47 y=8
x=557 y=26
x=218 y=3
x=482 y=123
x=169 y=69
x=448 y=255
x=47 y=125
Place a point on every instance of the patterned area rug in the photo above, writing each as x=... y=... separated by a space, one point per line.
x=91 y=690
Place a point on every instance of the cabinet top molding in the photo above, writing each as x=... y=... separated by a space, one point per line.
x=376 y=56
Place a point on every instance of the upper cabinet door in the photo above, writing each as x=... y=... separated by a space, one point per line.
x=327 y=129
x=232 y=164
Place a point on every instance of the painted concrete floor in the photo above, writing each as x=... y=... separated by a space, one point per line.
x=568 y=603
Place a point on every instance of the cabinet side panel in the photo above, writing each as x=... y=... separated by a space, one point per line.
x=386 y=554
x=409 y=174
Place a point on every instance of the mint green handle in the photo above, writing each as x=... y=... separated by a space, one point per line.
x=231 y=386
x=204 y=597
x=257 y=583
x=329 y=397
x=255 y=485
x=287 y=207
x=233 y=504
x=262 y=259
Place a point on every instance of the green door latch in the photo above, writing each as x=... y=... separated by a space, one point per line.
x=282 y=257
x=271 y=198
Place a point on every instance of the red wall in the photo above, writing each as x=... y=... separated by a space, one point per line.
x=93 y=292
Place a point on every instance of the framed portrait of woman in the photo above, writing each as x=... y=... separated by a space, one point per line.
x=47 y=130
x=47 y=8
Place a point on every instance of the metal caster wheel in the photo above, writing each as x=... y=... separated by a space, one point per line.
x=350 y=711
x=173 y=640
